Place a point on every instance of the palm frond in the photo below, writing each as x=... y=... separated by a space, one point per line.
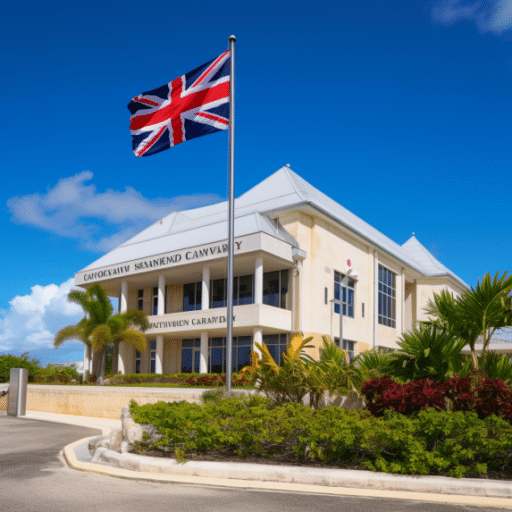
x=134 y=338
x=101 y=337
x=137 y=318
x=72 y=332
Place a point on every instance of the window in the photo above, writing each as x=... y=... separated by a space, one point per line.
x=140 y=301
x=240 y=355
x=218 y=293
x=192 y=296
x=190 y=353
x=275 y=288
x=242 y=291
x=276 y=344
x=346 y=296
x=348 y=346
x=155 y=301
x=152 y=359
x=137 y=361
x=387 y=297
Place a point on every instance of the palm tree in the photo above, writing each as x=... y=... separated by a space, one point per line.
x=477 y=312
x=100 y=327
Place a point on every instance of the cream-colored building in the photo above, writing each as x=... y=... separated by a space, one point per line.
x=299 y=257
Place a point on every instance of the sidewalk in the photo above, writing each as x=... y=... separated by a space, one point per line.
x=468 y=491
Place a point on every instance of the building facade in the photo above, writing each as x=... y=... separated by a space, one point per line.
x=300 y=259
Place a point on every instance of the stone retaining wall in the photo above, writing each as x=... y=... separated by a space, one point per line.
x=101 y=401
x=107 y=401
x=4 y=400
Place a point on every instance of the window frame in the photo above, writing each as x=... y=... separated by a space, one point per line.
x=282 y=288
x=152 y=356
x=386 y=307
x=197 y=296
x=344 y=294
x=155 y=300
x=348 y=346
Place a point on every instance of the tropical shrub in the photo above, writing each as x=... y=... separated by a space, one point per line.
x=496 y=366
x=337 y=373
x=185 y=379
x=478 y=312
x=430 y=352
x=63 y=375
x=300 y=374
x=289 y=382
x=484 y=396
x=218 y=380
x=447 y=443
x=8 y=361
x=371 y=364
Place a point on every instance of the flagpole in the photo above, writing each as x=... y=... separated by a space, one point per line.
x=231 y=216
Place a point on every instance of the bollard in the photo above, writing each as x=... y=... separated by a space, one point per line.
x=17 y=405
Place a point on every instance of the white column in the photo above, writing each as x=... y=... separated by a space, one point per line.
x=258 y=281
x=161 y=295
x=203 y=356
x=400 y=309
x=87 y=361
x=205 y=290
x=159 y=359
x=257 y=337
x=124 y=297
x=299 y=309
x=375 y=295
x=123 y=308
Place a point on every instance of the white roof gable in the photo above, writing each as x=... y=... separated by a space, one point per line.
x=282 y=190
x=428 y=262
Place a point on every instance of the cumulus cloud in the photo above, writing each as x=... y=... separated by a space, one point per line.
x=32 y=320
x=100 y=221
x=489 y=15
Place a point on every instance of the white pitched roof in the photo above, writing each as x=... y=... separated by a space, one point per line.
x=428 y=262
x=175 y=232
x=283 y=190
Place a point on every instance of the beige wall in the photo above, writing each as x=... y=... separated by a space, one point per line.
x=172 y=355
x=328 y=247
x=100 y=401
x=425 y=289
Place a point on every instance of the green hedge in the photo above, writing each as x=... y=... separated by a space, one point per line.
x=136 y=378
x=8 y=361
x=181 y=379
x=426 y=443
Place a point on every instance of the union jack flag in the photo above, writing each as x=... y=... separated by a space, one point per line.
x=190 y=106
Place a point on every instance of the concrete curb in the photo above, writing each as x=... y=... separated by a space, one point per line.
x=466 y=491
x=307 y=476
x=345 y=483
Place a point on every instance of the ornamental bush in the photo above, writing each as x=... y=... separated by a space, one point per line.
x=64 y=375
x=8 y=361
x=217 y=380
x=428 y=442
x=179 y=379
x=483 y=396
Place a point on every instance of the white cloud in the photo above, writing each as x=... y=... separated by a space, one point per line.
x=32 y=320
x=489 y=15
x=99 y=221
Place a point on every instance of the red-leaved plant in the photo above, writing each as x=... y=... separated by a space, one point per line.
x=485 y=397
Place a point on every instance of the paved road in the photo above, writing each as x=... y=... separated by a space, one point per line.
x=34 y=478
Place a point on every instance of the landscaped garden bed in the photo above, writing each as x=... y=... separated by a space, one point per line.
x=255 y=429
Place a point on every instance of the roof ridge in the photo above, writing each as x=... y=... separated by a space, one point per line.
x=289 y=174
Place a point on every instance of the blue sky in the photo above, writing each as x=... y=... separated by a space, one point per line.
x=399 y=110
